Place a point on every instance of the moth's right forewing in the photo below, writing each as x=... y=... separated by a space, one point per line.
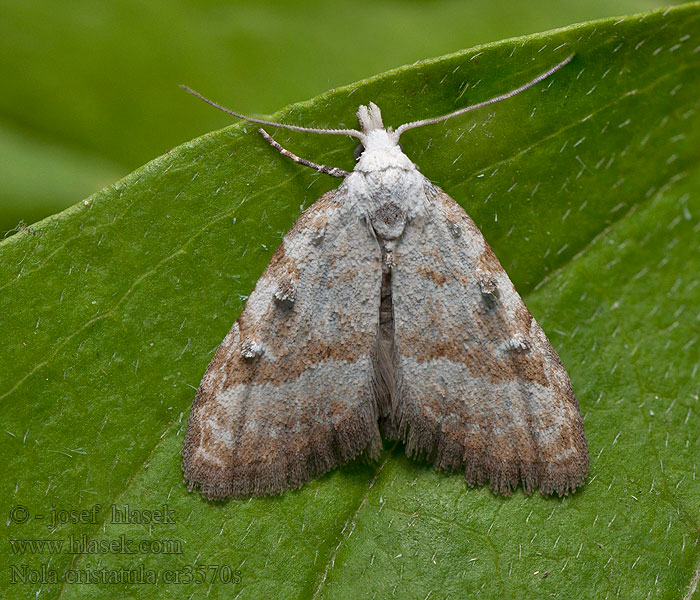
x=479 y=386
x=291 y=391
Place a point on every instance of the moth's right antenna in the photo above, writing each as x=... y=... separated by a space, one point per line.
x=461 y=111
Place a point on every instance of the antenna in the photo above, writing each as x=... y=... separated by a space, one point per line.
x=350 y=132
x=461 y=111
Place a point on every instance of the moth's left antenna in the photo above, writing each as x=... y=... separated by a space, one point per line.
x=349 y=132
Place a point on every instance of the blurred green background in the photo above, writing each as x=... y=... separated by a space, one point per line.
x=90 y=88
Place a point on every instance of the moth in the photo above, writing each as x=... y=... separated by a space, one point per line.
x=384 y=312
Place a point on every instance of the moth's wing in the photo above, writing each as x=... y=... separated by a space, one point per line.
x=291 y=391
x=478 y=386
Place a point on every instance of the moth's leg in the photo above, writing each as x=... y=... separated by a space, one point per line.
x=332 y=171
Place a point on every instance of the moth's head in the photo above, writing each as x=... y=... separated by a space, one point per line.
x=379 y=146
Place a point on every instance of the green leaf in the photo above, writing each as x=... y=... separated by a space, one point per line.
x=31 y=169
x=588 y=189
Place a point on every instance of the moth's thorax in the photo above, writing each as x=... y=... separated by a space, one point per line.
x=386 y=187
x=382 y=151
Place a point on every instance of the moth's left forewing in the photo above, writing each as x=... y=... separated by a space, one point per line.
x=291 y=391
x=479 y=386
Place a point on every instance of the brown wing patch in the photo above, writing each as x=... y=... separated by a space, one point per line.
x=437 y=277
